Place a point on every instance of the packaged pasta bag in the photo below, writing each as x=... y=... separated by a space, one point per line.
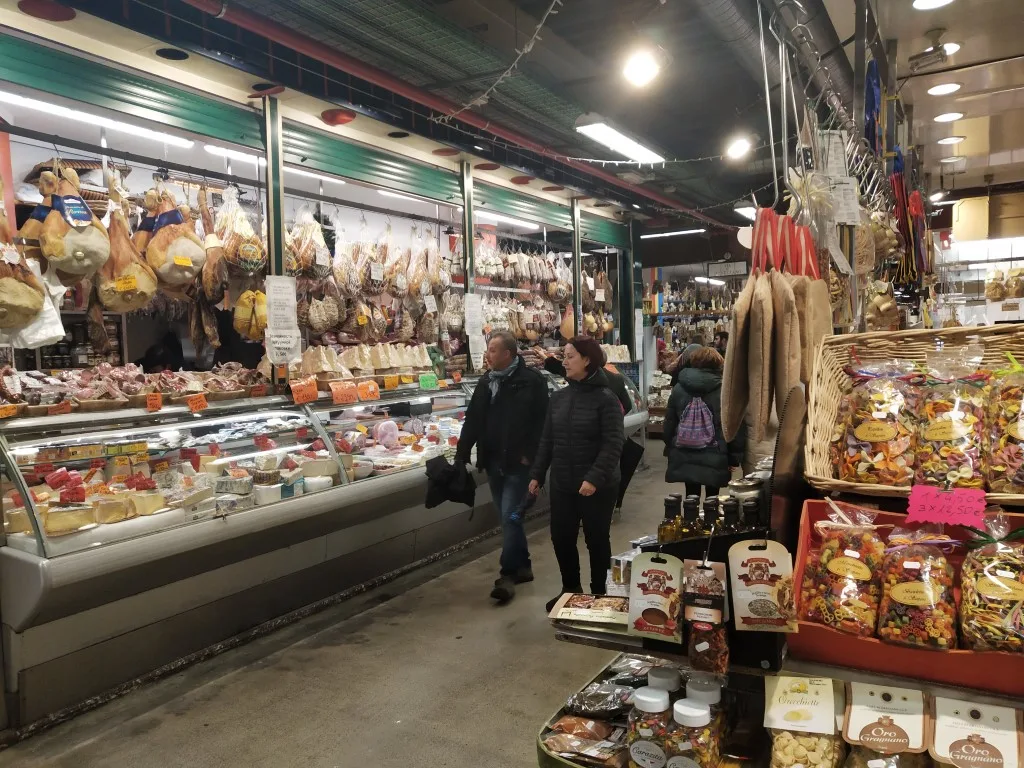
x=876 y=439
x=396 y=271
x=992 y=588
x=419 y=280
x=862 y=757
x=370 y=265
x=1006 y=432
x=804 y=717
x=917 y=607
x=952 y=437
x=841 y=585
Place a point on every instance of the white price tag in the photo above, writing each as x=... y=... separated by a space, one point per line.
x=376 y=271
x=599 y=294
x=834 y=147
x=836 y=251
x=323 y=258
x=282 y=312
x=284 y=347
x=845 y=200
x=430 y=303
x=590 y=283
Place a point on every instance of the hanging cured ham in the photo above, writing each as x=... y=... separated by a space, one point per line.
x=71 y=238
x=28 y=238
x=215 y=270
x=126 y=282
x=144 y=232
x=21 y=294
x=175 y=252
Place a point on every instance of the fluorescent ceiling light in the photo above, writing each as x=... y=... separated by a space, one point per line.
x=944 y=89
x=674 y=233
x=708 y=280
x=951 y=159
x=399 y=196
x=234 y=154
x=477 y=146
x=936 y=196
x=641 y=68
x=930 y=5
x=949 y=117
x=738 y=148
x=58 y=111
x=501 y=219
x=311 y=175
x=747 y=211
x=952 y=140
x=604 y=134
x=635 y=205
x=947 y=202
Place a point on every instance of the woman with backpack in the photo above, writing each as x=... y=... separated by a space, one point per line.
x=697 y=452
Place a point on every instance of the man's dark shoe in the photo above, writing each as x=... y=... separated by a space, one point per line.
x=504 y=589
x=523 y=575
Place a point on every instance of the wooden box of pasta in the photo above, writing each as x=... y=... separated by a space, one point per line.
x=919 y=601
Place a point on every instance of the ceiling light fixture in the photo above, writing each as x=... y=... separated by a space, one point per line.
x=674 y=233
x=947 y=202
x=501 y=219
x=234 y=154
x=936 y=196
x=944 y=89
x=950 y=48
x=738 y=148
x=399 y=196
x=58 y=111
x=593 y=127
x=951 y=140
x=948 y=117
x=951 y=159
x=637 y=206
x=708 y=280
x=641 y=67
x=311 y=175
x=479 y=148
x=930 y=5
x=747 y=211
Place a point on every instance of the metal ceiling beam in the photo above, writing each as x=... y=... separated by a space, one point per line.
x=308 y=46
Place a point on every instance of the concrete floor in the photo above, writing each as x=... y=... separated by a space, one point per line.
x=425 y=671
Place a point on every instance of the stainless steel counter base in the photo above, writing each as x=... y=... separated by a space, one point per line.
x=81 y=624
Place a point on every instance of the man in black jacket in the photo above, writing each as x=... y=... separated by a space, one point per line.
x=504 y=421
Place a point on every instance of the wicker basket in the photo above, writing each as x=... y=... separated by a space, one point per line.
x=829 y=383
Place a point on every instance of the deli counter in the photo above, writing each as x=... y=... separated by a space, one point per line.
x=222 y=520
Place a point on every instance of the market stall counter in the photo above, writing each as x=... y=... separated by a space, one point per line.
x=136 y=538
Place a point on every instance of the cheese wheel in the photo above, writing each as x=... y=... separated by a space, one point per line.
x=267 y=494
x=16 y=521
x=145 y=503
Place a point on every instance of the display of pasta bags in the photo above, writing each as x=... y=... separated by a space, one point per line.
x=992 y=587
x=371 y=262
x=841 y=585
x=875 y=439
x=917 y=607
x=952 y=438
x=1006 y=432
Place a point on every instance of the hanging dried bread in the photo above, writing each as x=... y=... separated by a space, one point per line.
x=71 y=238
x=175 y=252
x=214 y=276
x=126 y=282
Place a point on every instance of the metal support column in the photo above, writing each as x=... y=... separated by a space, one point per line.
x=891 y=99
x=860 y=64
x=577 y=270
x=272 y=132
x=468 y=250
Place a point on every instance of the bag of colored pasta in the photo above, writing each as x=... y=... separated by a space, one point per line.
x=992 y=589
x=876 y=436
x=951 y=438
x=1006 y=433
x=841 y=586
x=918 y=607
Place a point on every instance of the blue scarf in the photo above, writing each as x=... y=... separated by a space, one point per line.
x=496 y=378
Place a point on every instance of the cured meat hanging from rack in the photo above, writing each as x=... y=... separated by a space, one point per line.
x=175 y=252
x=126 y=282
x=144 y=231
x=94 y=325
x=21 y=294
x=244 y=250
x=214 y=276
x=71 y=238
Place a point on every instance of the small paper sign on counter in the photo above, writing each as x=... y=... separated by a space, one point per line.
x=6 y=411
x=390 y=382
x=260 y=390
x=971 y=735
x=344 y=392
x=154 y=401
x=368 y=390
x=197 y=403
x=959 y=506
x=428 y=381
x=303 y=390
x=803 y=704
x=58 y=409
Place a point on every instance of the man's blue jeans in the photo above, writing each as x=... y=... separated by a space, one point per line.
x=508 y=491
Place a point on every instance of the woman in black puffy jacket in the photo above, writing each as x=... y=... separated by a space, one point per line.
x=581 y=444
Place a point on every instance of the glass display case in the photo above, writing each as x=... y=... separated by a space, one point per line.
x=71 y=483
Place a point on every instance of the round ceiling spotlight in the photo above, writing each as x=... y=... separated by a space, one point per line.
x=930 y=5
x=399 y=134
x=486 y=166
x=936 y=196
x=944 y=89
x=948 y=117
x=445 y=151
x=642 y=66
x=47 y=10
x=521 y=179
x=951 y=140
x=553 y=188
x=171 y=54
x=263 y=87
x=738 y=148
x=950 y=48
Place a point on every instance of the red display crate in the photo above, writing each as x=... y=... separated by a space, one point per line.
x=992 y=671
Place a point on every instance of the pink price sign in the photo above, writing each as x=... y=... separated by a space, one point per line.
x=959 y=506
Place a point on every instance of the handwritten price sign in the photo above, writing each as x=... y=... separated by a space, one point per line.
x=960 y=506
x=154 y=401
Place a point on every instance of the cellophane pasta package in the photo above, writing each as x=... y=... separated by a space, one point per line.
x=992 y=589
x=841 y=585
x=874 y=438
x=1006 y=434
x=952 y=437
x=918 y=607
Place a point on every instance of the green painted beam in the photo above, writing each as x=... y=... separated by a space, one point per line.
x=468 y=229
x=275 y=184
x=604 y=231
x=577 y=270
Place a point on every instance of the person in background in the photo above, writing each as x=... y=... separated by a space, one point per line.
x=697 y=453
x=681 y=361
x=504 y=421
x=722 y=342
x=164 y=355
x=616 y=381
x=581 y=444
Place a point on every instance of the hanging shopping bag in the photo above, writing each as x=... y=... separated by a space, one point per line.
x=760 y=351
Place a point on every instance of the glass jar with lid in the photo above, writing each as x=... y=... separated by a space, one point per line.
x=691 y=742
x=648 y=725
x=707 y=689
x=666 y=679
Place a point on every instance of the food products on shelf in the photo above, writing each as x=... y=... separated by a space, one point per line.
x=244 y=250
x=862 y=757
x=917 y=606
x=1006 y=456
x=648 y=727
x=174 y=253
x=791 y=749
x=601 y=700
x=992 y=590
x=690 y=741
x=125 y=282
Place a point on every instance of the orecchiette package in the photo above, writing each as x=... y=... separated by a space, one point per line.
x=801 y=714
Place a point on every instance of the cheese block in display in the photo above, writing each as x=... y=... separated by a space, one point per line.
x=16 y=521
x=267 y=461
x=236 y=485
x=266 y=476
x=230 y=503
x=295 y=488
x=68 y=518
x=146 y=503
x=292 y=476
x=111 y=509
x=267 y=494
x=314 y=484
x=195 y=496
